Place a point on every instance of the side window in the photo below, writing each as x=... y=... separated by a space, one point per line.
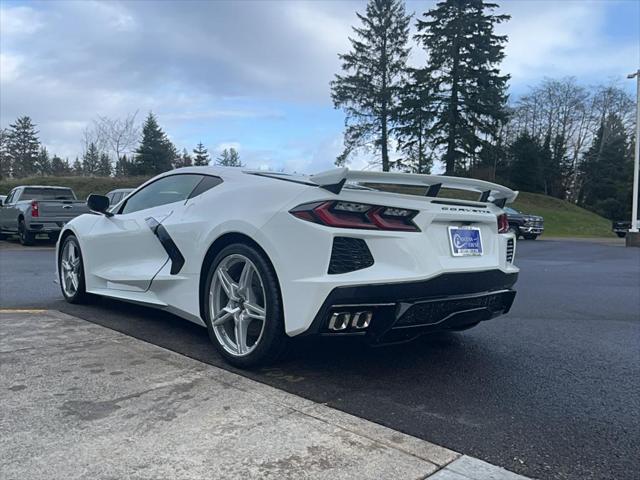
x=115 y=198
x=207 y=183
x=11 y=197
x=174 y=188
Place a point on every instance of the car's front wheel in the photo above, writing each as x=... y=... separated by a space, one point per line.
x=71 y=271
x=530 y=236
x=243 y=308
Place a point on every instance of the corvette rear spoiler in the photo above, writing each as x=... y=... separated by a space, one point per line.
x=334 y=180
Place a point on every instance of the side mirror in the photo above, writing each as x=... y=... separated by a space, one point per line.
x=99 y=204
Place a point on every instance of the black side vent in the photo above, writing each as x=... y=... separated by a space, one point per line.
x=510 y=250
x=349 y=254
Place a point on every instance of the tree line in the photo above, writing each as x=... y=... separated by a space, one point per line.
x=111 y=147
x=562 y=139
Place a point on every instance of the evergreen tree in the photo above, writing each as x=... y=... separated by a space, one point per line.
x=5 y=158
x=23 y=147
x=414 y=121
x=229 y=158
x=156 y=153
x=91 y=160
x=76 y=169
x=368 y=89
x=123 y=167
x=59 y=167
x=606 y=178
x=525 y=153
x=43 y=163
x=104 y=167
x=464 y=54
x=201 y=155
x=183 y=160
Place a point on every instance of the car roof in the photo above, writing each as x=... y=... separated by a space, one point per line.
x=44 y=186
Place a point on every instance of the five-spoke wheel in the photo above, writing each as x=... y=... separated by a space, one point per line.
x=71 y=271
x=243 y=309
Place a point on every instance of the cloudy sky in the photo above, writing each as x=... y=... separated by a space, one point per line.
x=254 y=74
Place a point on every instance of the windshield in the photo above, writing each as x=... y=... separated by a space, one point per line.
x=47 y=194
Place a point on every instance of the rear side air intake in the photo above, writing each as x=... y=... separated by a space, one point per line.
x=349 y=254
x=511 y=247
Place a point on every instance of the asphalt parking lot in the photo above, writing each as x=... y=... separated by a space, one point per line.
x=550 y=391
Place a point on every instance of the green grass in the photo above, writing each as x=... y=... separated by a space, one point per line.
x=563 y=219
x=82 y=186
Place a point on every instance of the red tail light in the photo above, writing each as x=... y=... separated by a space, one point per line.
x=357 y=215
x=503 y=223
x=35 y=209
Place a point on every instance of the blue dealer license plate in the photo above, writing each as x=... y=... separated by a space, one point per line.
x=465 y=241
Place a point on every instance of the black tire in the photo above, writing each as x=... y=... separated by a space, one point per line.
x=621 y=234
x=26 y=237
x=530 y=236
x=81 y=295
x=274 y=341
x=3 y=236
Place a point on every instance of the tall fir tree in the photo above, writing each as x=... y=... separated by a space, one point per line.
x=76 y=168
x=43 y=162
x=229 y=157
x=23 y=147
x=183 y=160
x=526 y=165
x=414 y=121
x=368 y=90
x=606 y=178
x=104 y=167
x=201 y=155
x=156 y=153
x=91 y=160
x=123 y=167
x=59 y=167
x=5 y=158
x=464 y=55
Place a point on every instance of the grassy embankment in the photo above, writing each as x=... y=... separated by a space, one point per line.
x=562 y=219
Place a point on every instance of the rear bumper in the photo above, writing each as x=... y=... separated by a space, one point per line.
x=45 y=226
x=402 y=311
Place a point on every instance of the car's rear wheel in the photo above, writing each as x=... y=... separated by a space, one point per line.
x=26 y=237
x=71 y=271
x=243 y=308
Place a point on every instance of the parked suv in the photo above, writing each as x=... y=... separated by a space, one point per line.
x=32 y=210
x=523 y=224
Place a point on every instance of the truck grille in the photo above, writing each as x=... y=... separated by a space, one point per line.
x=510 y=250
x=349 y=254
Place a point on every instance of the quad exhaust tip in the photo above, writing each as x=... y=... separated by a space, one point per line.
x=340 y=321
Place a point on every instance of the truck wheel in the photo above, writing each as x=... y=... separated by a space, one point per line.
x=530 y=236
x=621 y=234
x=26 y=237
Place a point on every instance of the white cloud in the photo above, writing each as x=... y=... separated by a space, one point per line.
x=19 y=21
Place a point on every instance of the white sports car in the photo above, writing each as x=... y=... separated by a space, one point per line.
x=258 y=257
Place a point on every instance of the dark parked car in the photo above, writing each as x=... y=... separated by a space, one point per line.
x=523 y=224
x=621 y=227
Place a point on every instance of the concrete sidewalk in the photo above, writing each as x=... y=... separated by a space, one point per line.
x=81 y=401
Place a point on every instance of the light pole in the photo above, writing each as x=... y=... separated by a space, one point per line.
x=636 y=162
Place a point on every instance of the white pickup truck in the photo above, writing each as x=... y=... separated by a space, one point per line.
x=34 y=210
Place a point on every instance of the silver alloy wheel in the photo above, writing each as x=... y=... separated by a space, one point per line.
x=70 y=268
x=237 y=303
